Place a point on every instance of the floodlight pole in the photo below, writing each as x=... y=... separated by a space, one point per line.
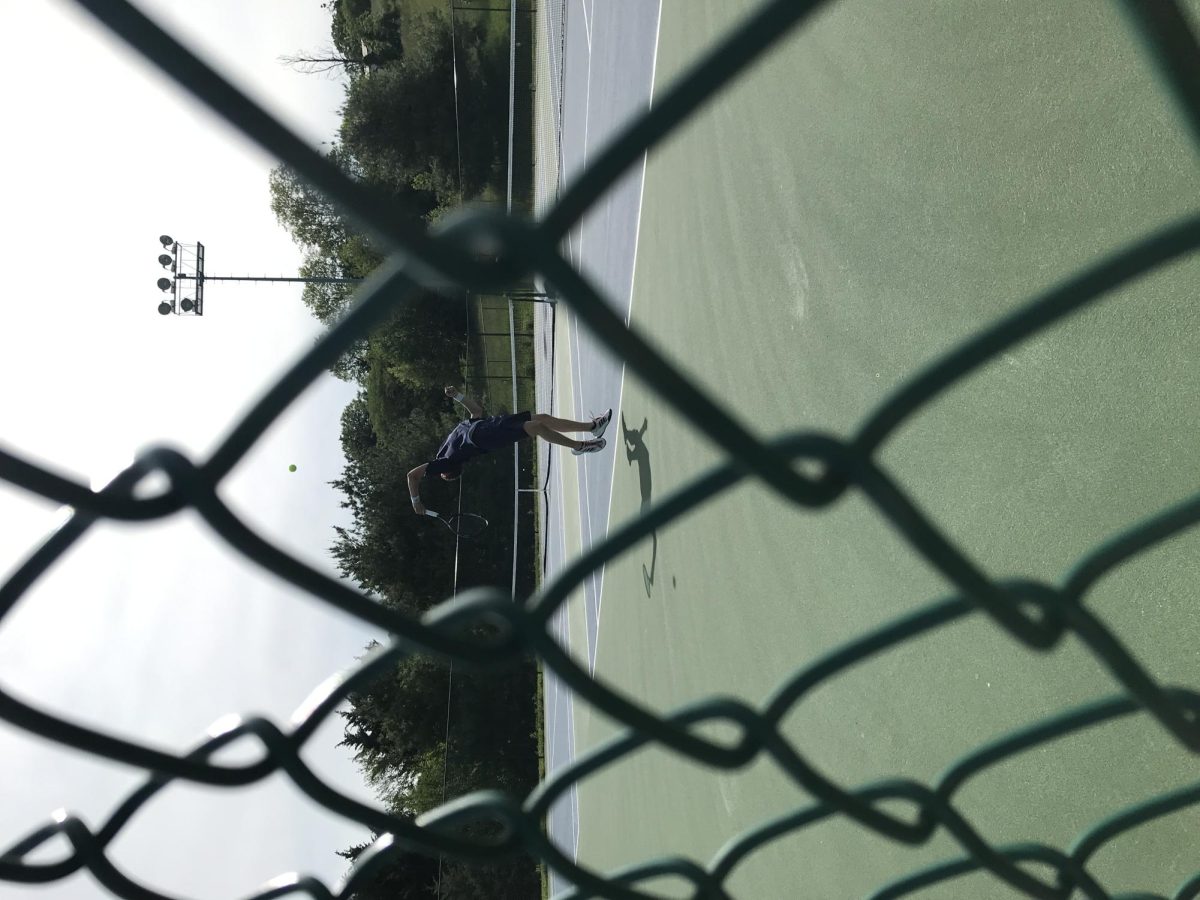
x=184 y=257
x=186 y=262
x=302 y=280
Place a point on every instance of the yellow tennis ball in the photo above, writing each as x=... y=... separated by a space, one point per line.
x=292 y=467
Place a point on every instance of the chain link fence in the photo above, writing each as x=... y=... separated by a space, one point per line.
x=483 y=627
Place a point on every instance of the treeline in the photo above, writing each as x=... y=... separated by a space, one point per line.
x=400 y=137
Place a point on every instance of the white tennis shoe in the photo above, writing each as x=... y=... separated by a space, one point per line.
x=600 y=424
x=593 y=446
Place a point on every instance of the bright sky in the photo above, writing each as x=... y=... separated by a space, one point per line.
x=155 y=631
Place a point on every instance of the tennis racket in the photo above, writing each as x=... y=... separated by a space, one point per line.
x=465 y=525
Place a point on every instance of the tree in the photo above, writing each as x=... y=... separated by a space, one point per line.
x=353 y=365
x=395 y=722
x=386 y=551
x=312 y=220
x=423 y=342
x=318 y=225
x=328 y=62
x=327 y=301
x=361 y=43
x=401 y=124
x=404 y=876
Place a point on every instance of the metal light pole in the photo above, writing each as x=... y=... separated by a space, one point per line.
x=186 y=263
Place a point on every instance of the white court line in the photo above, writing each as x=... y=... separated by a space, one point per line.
x=587 y=103
x=585 y=497
x=585 y=501
x=587 y=26
x=577 y=252
x=571 y=751
x=564 y=634
x=637 y=236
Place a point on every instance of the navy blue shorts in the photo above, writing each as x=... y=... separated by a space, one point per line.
x=495 y=432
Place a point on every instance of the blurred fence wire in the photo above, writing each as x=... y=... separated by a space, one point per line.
x=487 y=252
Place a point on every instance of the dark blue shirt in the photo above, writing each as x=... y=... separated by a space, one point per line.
x=455 y=450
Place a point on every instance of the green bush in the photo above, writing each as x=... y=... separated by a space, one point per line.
x=402 y=121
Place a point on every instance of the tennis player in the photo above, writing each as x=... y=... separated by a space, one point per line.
x=479 y=434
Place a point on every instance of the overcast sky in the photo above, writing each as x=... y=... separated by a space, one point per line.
x=155 y=631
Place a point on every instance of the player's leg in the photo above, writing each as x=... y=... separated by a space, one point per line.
x=556 y=424
x=536 y=428
x=595 y=426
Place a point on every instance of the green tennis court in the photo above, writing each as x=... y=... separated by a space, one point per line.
x=889 y=181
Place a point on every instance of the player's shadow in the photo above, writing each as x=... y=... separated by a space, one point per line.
x=636 y=452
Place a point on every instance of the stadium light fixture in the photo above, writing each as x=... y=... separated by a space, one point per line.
x=186 y=262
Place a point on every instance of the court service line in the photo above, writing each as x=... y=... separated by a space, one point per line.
x=587 y=103
x=564 y=634
x=637 y=236
x=585 y=501
x=562 y=627
x=587 y=28
x=584 y=498
x=587 y=117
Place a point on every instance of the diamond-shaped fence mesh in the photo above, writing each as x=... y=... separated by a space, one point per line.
x=483 y=251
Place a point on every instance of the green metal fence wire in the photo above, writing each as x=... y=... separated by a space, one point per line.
x=480 y=252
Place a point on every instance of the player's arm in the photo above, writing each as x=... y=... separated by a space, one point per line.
x=414 y=488
x=472 y=406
